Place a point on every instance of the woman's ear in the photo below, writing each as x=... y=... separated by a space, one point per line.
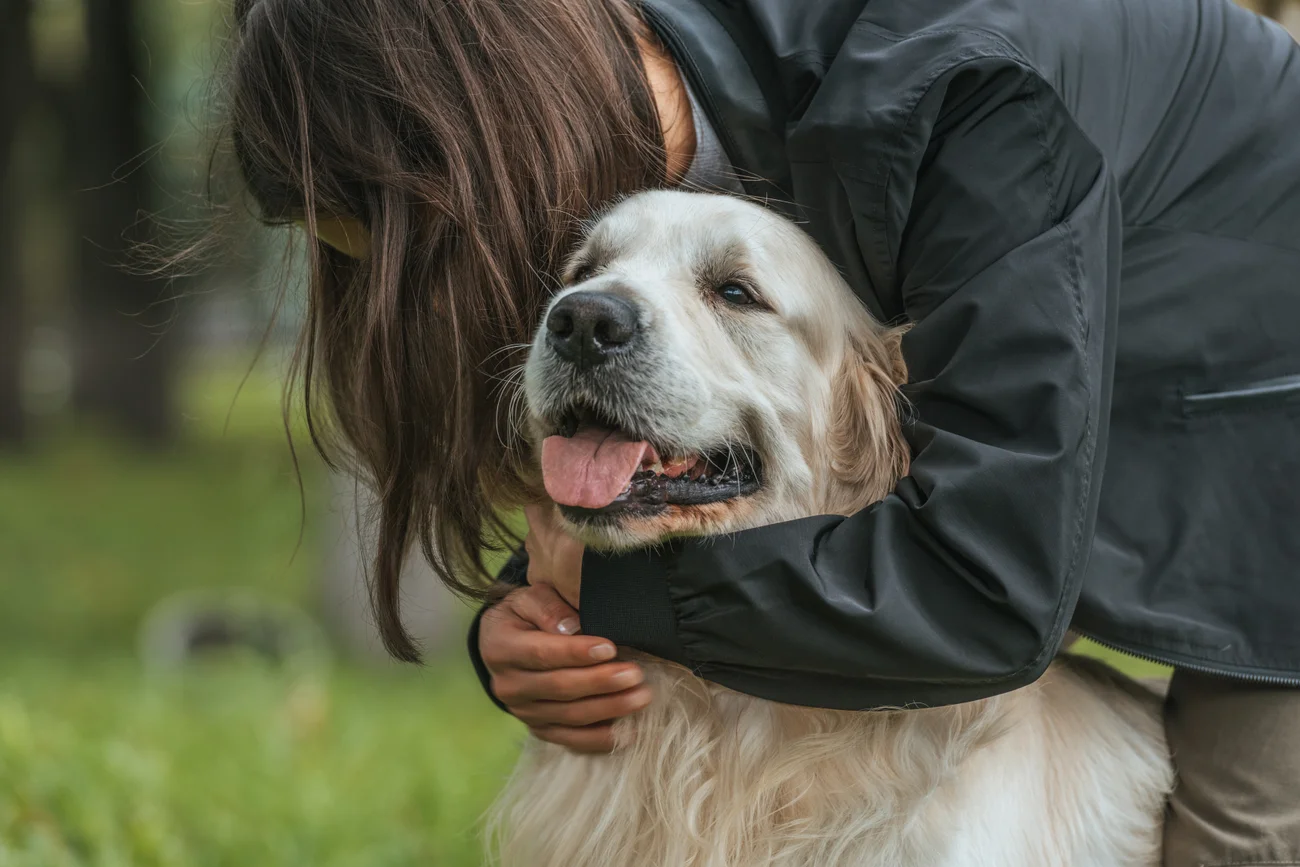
x=867 y=450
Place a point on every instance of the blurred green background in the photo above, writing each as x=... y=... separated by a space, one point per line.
x=135 y=469
x=105 y=762
x=142 y=459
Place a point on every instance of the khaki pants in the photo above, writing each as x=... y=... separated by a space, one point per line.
x=1236 y=747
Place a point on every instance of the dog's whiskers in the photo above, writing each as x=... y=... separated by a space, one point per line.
x=511 y=390
x=509 y=347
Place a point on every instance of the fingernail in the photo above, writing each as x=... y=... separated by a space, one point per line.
x=568 y=626
x=603 y=652
x=628 y=677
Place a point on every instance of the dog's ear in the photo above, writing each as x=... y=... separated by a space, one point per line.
x=891 y=353
x=868 y=452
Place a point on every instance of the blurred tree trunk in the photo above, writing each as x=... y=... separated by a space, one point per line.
x=124 y=359
x=15 y=84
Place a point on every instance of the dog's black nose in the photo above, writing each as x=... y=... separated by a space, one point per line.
x=586 y=328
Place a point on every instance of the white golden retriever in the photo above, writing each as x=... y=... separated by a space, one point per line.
x=707 y=370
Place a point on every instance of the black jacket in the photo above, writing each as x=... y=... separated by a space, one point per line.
x=1090 y=209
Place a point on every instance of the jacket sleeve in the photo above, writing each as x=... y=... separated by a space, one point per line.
x=515 y=574
x=961 y=583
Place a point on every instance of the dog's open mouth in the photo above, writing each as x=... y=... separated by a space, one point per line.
x=595 y=471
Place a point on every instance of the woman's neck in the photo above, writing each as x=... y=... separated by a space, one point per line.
x=673 y=103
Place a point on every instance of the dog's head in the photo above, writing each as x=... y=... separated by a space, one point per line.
x=706 y=370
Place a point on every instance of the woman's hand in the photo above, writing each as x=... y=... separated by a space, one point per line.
x=554 y=557
x=563 y=686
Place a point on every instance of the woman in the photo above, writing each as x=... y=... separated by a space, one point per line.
x=1088 y=211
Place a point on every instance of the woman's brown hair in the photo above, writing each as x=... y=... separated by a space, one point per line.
x=470 y=138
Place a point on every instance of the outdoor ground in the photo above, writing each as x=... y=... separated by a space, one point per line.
x=102 y=763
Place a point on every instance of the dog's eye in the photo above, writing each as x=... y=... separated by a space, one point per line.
x=734 y=293
x=582 y=273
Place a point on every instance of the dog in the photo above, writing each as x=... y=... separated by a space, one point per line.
x=705 y=370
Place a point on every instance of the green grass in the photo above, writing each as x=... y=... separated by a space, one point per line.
x=94 y=535
x=104 y=766
x=102 y=763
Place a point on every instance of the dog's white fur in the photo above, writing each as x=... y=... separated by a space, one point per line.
x=1069 y=772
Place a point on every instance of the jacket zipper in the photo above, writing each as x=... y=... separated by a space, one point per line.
x=1227 y=674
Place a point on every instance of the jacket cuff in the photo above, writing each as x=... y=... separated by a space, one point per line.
x=515 y=571
x=476 y=659
x=515 y=574
x=626 y=598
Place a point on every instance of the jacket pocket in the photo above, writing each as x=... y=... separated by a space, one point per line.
x=1266 y=394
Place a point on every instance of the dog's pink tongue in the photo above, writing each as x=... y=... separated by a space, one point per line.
x=591 y=468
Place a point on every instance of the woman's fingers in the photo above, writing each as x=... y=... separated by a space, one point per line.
x=566 y=687
x=513 y=644
x=544 y=608
x=567 y=684
x=588 y=739
x=584 y=712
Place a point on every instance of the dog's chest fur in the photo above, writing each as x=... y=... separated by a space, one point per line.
x=1070 y=772
x=717 y=779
